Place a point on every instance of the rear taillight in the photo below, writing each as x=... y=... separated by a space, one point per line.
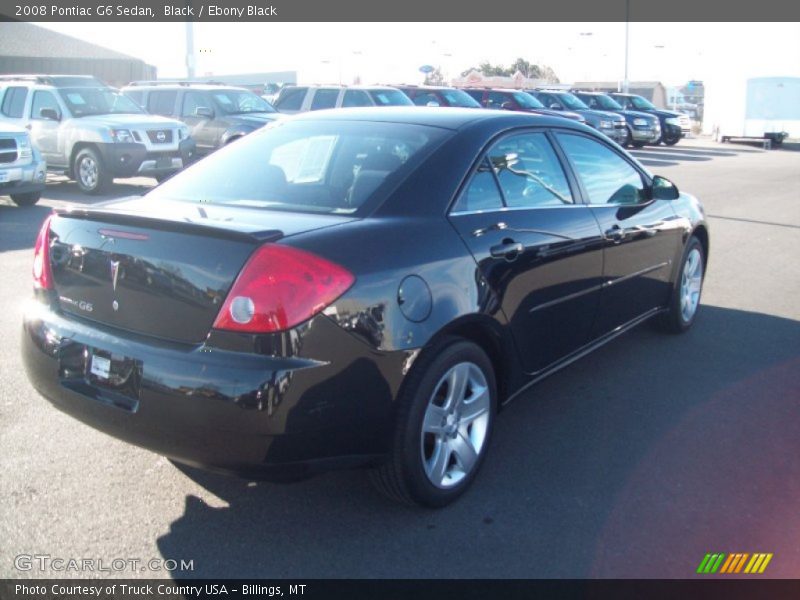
x=280 y=287
x=42 y=275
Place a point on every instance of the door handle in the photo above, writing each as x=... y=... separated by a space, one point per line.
x=495 y=227
x=615 y=234
x=508 y=249
x=29 y=126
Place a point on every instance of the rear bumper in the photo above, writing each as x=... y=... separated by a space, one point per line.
x=129 y=160
x=239 y=412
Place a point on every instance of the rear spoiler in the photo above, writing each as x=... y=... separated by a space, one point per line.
x=201 y=227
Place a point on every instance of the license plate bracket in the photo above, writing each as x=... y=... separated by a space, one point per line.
x=163 y=162
x=101 y=374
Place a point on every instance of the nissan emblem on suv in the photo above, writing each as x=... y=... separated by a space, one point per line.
x=161 y=136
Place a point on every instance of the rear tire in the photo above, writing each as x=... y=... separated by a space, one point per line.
x=672 y=141
x=91 y=173
x=28 y=199
x=443 y=426
x=685 y=299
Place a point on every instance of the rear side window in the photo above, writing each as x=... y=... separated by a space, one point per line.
x=135 y=95
x=14 y=102
x=324 y=98
x=291 y=98
x=482 y=193
x=162 y=102
x=606 y=176
x=331 y=167
x=353 y=98
x=477 y=95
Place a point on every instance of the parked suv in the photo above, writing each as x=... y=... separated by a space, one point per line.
x=302 y=98
x=22 y=169
x=216 y=114
x=674 y=125
x=90 y=131
x=517 y=100
x=609 y=123
x=643 y=128
x=430 y=95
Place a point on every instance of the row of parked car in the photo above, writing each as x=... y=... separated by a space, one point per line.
x=79 y=127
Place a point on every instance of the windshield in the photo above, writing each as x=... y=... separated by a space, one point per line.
x=525 y=100
x=84 y=102
x=602 y=102
x=572 y=102
x=459 y=98
x=639 y=102
x=305 y=166
x=390 y=98
x=238 y=102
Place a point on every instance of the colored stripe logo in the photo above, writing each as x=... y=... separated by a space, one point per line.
x=737 y=562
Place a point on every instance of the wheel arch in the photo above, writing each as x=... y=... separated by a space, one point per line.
x=701 y=233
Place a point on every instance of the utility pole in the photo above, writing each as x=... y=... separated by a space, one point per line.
x=625 y=83
x=189 y=49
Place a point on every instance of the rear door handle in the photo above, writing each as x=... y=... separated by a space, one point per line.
x=616 y=233
x=508 y=249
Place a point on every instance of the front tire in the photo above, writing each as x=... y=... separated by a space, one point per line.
x=90 y=172
x=443 y=426
x=28 y=199
x=685 y=299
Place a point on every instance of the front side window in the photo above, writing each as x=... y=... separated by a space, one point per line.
x=193 y=101
x=572 y=102
x=354 y=98
x=162 y=102
x=390 y=98
x=43 y=100
x=240 y=102
x=324 y=98
x=331 y=167
x=497 y=100
x=87 y=102
x=14 y=102
x=459 y=98
x=529 y=172
x=606 y=176
x=426 y=98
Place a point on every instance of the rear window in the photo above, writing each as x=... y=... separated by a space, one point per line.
x=390 y=98
x=334 y=167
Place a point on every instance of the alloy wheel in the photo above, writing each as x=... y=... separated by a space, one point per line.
x=691 y=284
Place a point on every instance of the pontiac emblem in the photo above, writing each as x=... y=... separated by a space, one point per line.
x=114 y=264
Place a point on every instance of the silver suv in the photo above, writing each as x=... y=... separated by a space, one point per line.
x=302 y=98
x=91 y=132
x=22 y=169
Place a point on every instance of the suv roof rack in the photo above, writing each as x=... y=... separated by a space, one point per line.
x=183 y=82
x=46 y=79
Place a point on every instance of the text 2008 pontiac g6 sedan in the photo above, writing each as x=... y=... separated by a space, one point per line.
x=356 y=288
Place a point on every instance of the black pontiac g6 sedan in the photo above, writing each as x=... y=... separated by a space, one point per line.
x=356 y=288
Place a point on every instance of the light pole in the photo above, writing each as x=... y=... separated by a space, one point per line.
x=625 y=83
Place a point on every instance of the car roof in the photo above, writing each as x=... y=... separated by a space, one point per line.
x=179 y=86
x=450 y=118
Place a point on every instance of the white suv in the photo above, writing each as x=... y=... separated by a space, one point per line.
x=91 y=132
x=22 y=170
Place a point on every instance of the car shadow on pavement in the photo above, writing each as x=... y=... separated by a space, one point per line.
x=633 y=462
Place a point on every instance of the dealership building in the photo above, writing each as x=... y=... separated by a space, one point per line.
x=27 y=48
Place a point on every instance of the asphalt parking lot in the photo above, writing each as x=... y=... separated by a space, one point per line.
x=633 y=462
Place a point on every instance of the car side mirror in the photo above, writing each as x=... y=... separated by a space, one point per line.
x=555 y=106
x=663 y=189
x=204 y=111
x=50 y=114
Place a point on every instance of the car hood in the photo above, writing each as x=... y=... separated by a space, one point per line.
x=129 y=121
x=566 y=114
x=667 y=114
x=256 y=119
x=600 y=114
x=636 y=114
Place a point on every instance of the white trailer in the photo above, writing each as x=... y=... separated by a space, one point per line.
x=759 y=107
